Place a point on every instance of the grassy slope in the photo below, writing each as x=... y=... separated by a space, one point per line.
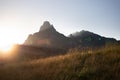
x=103 y=64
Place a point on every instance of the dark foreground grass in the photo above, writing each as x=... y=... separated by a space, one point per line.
x=102 y=64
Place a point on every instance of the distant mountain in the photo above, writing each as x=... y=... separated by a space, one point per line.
x=49 y=37
x=86 y=38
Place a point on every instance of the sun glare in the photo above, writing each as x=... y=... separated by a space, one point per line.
x=5 y=48
x=8 y=37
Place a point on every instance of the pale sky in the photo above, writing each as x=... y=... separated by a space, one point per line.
x=19 y=18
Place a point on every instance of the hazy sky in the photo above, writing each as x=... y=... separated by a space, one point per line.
x=18 y=18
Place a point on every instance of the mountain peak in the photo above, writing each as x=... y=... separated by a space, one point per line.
x=47 y=26
x=49 y=37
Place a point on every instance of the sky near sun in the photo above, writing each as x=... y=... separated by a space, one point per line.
x=19 y=18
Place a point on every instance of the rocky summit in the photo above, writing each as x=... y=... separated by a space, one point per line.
x=47 y=26
x=49 y=37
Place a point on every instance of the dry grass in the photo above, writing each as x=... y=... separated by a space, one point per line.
x=102 y=64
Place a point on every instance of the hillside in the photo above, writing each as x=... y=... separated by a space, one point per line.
x=101 y=64
x=90 y=39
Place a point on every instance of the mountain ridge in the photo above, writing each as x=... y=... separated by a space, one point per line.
x=48 y=36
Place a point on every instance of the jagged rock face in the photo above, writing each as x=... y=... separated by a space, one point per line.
x=46 y=26
x=49 y=37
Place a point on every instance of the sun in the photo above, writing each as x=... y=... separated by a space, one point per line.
x=8 y=37
x=5 y=48
x=6 y=40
